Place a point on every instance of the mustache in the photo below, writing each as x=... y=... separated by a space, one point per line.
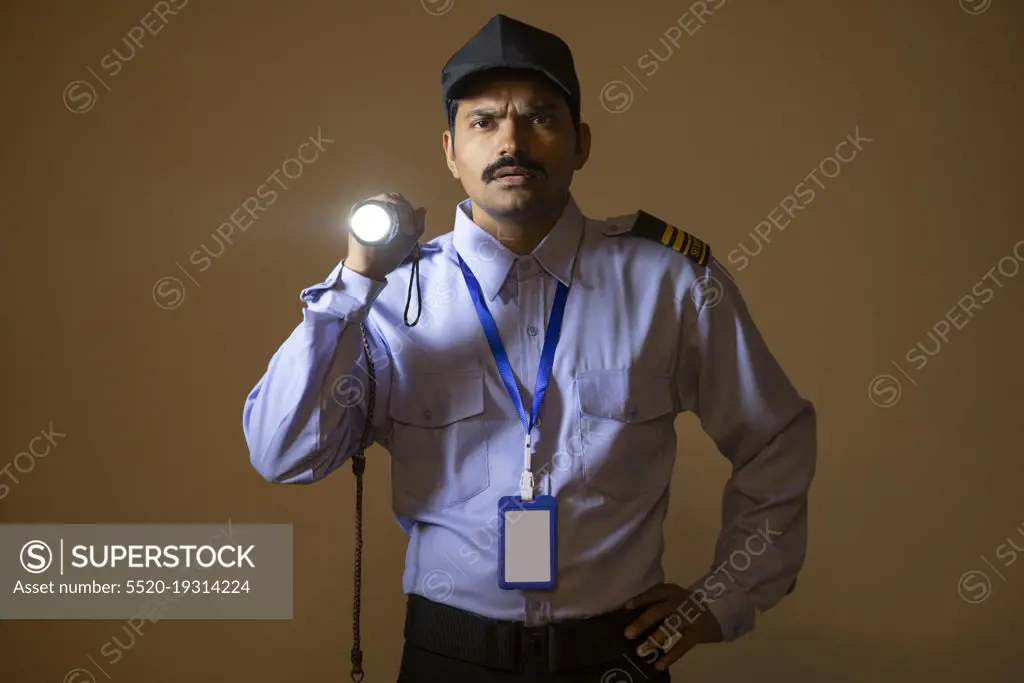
x=517 y=160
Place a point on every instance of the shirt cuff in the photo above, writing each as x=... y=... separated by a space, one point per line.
x=726 y=601
x=344 y=294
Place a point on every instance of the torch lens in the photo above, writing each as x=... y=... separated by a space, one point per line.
x=371 y=223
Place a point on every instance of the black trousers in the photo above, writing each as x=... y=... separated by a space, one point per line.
x=422 y=666
x=447 y=645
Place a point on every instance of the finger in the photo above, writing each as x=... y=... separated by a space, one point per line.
x=669 y=632
x=687 y=640
x=397 y=201
x=404 y=205
x=651 y=595
x=671 y=627
x=649 y=618
x=667 y=635
x=386 y=197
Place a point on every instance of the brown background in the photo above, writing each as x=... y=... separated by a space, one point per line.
x=97 y=206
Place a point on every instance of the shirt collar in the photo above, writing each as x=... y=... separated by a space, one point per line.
x=490 y=260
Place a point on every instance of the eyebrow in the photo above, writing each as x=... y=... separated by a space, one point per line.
x=531 y=110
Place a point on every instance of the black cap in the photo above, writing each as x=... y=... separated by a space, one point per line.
x=504 y=42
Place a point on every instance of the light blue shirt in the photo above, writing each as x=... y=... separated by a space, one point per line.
x=647 y=334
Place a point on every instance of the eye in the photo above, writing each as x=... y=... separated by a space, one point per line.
x=479 y=123
x=542 y=119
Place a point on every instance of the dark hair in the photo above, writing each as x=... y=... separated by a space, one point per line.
x=452 y=105
x=453 y=109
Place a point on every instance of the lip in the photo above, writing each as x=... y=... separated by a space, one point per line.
x=512 y=170
x=513 y=179
x=513 y=175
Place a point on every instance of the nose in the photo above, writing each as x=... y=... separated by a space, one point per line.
x=514 y=136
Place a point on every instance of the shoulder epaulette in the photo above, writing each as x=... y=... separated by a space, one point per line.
x=655 y=229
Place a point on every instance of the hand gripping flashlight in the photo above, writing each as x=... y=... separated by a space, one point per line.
x=373 y=222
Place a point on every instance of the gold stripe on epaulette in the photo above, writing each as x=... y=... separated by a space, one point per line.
x=690 y=246
x=678 y=242
x=666 y=237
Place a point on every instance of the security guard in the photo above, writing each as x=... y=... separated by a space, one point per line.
x=552 y=357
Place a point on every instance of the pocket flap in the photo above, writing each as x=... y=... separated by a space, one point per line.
x=625 y=395
x=436 y=399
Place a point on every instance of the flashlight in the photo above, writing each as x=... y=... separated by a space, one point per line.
x=373 y=222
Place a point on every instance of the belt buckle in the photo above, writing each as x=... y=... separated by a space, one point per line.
x=533 y=646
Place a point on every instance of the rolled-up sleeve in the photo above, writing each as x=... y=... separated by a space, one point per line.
x=728 y=377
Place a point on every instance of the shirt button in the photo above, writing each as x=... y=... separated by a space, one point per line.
x=631 y=412
x=427 y=414
x=532 y=330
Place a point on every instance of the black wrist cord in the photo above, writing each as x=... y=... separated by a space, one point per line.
x=359 y=464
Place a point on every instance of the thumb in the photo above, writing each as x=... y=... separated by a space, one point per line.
x=420 y=222
x=410 y=228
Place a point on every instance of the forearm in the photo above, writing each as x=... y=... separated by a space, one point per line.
x=306 y=415
x=763 y=541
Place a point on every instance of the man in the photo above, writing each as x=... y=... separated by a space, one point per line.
x=644 y=325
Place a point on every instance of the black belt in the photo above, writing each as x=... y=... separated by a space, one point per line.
x=507 y=645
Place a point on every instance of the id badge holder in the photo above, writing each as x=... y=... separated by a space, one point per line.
x=527 y=543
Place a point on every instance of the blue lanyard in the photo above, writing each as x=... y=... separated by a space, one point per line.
x=547 y=356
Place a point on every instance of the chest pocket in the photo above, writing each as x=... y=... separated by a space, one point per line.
x=627 y=431
x=439 y=440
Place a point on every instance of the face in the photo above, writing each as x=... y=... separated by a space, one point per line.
x=515 y=149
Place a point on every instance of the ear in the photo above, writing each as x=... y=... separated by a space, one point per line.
x=583 y=147
x=449 y=152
